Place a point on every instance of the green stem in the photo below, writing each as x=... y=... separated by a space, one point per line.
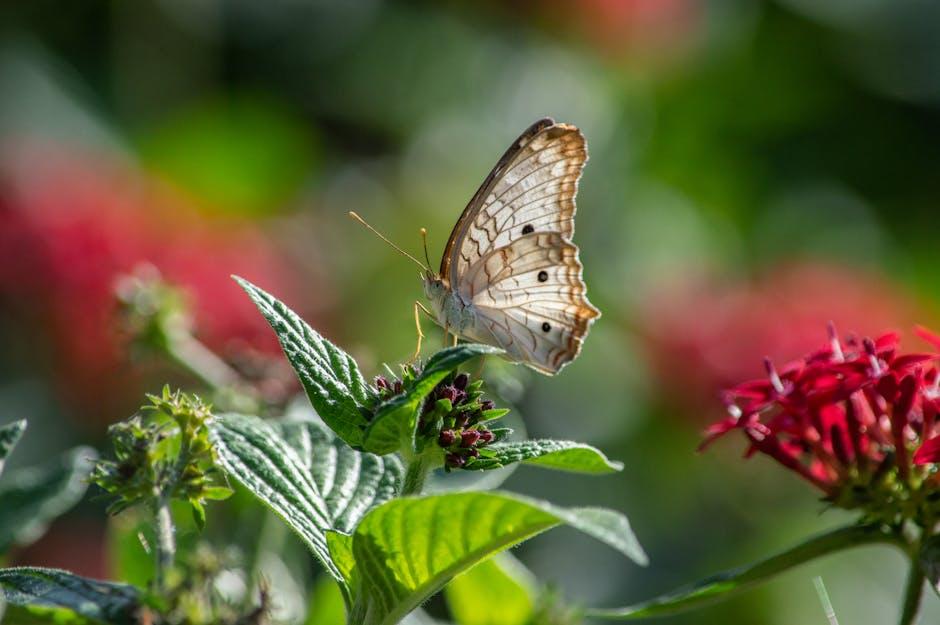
x=415 y=475
x=166 y=542
x=202 y=362
x=730 y=583
x=914 y=589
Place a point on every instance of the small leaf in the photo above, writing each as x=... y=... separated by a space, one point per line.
x=217 y=493
x=394 y=421
x=329 y=375
x=551 y=454
x=9 y=435
x=730 y=583
x=407 y=549
x=30 y=498
x=305 y=474
x=61 y=597
x=930 y=561
x=508 y=589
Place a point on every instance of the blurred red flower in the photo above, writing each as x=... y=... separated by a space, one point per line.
x=711 y=334
x=72 y=221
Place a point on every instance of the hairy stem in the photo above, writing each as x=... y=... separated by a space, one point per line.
x=166 y=541
x=415 y=475
x=202 y=362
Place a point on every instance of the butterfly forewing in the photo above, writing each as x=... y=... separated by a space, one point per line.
x=510 y=254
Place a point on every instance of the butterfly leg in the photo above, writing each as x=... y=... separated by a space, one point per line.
x=418 y=308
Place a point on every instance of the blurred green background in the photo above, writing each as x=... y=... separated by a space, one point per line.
x=756 y=170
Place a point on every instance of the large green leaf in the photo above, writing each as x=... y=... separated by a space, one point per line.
x=730 y=583
x=30 y=498
x=394 y=421
x=552 y=454
x=55 y=596
x=9 y=435
x=329 y=375
x=407 y=549
x=310 y=479
x=509 y=589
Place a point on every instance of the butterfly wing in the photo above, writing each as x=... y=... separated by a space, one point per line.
x=530 y=298
x=510 y=254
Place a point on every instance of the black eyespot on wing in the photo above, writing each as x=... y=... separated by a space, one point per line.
x=543 y=276
x=546 y=326
x=526 y=229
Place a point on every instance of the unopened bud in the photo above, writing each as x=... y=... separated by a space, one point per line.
x=486 y=437
x=455 y=461
x=446 y=438
x=487 y=404
x=469 y=438
x=460 y=382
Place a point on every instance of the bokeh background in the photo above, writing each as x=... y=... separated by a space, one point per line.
x=757 y=169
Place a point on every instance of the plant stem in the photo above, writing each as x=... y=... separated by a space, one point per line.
x=415 y=474
x=914 y=589
x=191 y=354
x=166 y=541
x=729 y=583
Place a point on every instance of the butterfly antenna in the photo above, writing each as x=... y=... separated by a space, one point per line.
x=381 y=236
x=424 y=242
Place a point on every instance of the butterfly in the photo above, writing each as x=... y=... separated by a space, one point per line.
x=510 y=275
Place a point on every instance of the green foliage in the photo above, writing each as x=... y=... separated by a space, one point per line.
x=552 y=454
x=730 y=583
x=163 y=453
x=329 y=375
x=54 y=596
x=9 y=435
x=498 y=591
x=31 y=498
x=292 y=467
x=407 y=549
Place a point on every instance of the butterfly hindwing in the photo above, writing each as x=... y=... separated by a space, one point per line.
x=531 y=299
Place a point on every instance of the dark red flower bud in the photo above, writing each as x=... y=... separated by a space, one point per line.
x=446 y=438
x=381 y=383
x=469 y=438
x=486 y=437
x=461 y=381
x=487 y=404
x=455 y=461
x=473 y=453
x=397 y=389
x=449 y=392
x=462 y=420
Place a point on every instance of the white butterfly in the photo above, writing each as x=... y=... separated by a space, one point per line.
x=510 y=275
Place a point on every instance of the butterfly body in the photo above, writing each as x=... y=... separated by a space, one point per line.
x=510 y=275
x=450 y=309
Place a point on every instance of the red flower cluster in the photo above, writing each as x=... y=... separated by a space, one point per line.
x=856 y=418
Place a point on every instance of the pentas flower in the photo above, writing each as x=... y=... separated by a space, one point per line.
x=454 y=416
x=856 y=418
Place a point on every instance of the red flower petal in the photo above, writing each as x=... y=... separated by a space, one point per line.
x=929 y=452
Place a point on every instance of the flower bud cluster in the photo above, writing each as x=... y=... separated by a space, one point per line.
x=163 y=452
x=456 y=416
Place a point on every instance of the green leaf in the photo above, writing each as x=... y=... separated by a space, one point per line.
x=395 y=420
x=407 y=549
x=30 y=498
x=730 y=583
x=551 y=454
x=509 y=589
x=930 y=561
x=57 y=596
x=9 y=435
x=305 y=474
x=329 y=375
